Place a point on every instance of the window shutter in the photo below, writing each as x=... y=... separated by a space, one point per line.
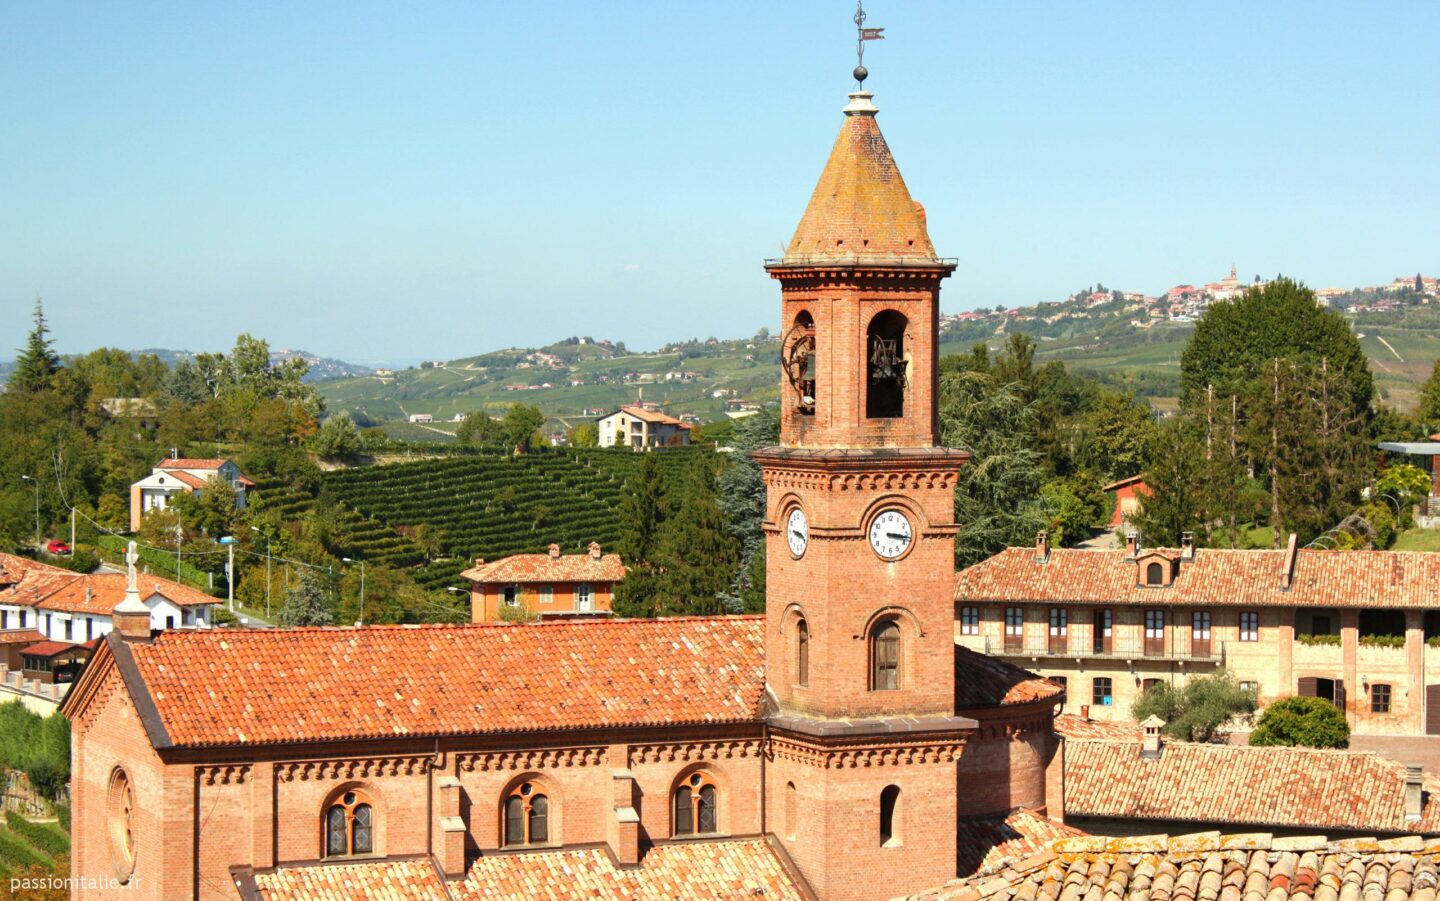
x=1340 y=694
x=1308 y=687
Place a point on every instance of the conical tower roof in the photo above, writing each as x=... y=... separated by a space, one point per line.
x=861 y=210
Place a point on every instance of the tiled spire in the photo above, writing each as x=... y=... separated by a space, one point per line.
x=861 y=210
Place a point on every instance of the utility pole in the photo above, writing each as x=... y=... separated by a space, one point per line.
x=361 y=621
x=229 y=542
x=72 y=531
x=257 y=531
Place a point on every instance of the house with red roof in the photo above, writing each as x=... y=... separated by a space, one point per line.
x=639 y=427
x=544 y=585
x=182 y=475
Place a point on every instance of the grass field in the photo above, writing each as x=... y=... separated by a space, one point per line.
x=1418 y=540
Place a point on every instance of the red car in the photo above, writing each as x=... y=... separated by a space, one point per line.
x=56 y=546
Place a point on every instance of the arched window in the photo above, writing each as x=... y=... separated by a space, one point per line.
x=527 y=815
x=1154 y=574
x=120 y=824
x=791 y=811
x=885 y=656
x=800 y=362
x=350 y=826
x=885 y=387
x=695 y=806
x=889 y=804
x=802 y=653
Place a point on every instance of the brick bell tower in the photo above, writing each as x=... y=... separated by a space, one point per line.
x=860 y=532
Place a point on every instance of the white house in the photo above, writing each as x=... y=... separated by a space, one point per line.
x=73 y=607
x=177 y=475
x=422 y=417
x=641 y=429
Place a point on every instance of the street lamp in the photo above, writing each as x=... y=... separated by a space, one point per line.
x=362 y=586
x=229 y=542
x=267 y=569
x=36 y=483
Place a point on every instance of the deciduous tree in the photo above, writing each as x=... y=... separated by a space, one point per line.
x=1309 y=722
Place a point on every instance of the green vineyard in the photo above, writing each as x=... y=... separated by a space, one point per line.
x=494 y=505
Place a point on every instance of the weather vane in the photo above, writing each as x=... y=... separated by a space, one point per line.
x=863 y=34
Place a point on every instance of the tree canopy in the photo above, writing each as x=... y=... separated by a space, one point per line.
x=1309 y=722
x=1197 y=710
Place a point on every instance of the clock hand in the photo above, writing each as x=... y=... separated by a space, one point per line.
x=898 y=535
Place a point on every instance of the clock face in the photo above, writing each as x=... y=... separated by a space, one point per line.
x=797 y=532
x=890 y=534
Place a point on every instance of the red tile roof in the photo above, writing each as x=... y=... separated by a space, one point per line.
x=988 y=843
x=545 y=568
x=654 y=416
x=190 y=463
x=391 y=880
x=1072 y=726
x=1284 y=787
x=321 y=684
x=1210 y=866
x=20 y=636
x=50 y=648
x=192 y=480
x=1216 y=577
x=676 y=871
x=982 y=681
x=105 y=590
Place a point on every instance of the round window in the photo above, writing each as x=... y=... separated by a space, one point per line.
x=120 y=824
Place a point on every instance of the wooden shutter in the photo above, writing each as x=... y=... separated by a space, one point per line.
x=1432 y=710
x=1340 y=694
x=1308 y=687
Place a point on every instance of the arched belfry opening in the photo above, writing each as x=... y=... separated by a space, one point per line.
x=801 y=362
x=885 y=384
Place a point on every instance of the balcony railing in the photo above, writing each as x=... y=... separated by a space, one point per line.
x=1122 y=649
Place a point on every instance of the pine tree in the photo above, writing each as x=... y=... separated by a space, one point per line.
x=742 y=500
x=1175 y=475
x=698 y=555
x=37 y=364
x=642 y=514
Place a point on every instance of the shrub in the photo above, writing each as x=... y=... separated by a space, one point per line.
x=16 y=854
x=47 y=838
x=62 y=813
x=1307 y=722
x=1326 y=639
x=1383 y=641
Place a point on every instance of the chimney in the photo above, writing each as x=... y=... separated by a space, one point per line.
x=1414 y=794
x=479 y=561
x=1187 y=546
x=1132 y=544
x=554 y=552
x=1085 y=712
x=1287 y=578
x=1151 y=742
x=1042 y=546
x=594 y=549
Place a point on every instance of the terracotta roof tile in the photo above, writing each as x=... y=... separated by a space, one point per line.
x=321 y=684
x=190 y=463
x=545 y=568
x=983 y=681
x=860 y=207
x=987 y=843
x=49 y=648
x=1072 y=726
x=105 y=590
x=390 y=880
x=20 y=636
x=1216 y=577
x=679 y=871
x=1207 y=867
x=193 y=481
x=1301 y=788
x=652 y=416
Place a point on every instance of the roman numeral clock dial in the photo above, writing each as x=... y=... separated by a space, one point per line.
x=891 y=534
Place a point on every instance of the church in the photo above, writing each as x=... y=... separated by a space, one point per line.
x=840 y=747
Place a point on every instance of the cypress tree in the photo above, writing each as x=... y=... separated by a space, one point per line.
x=698 y=554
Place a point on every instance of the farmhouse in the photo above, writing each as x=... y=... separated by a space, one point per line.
x=178 y=475
x=545 y=585
x=640 y=428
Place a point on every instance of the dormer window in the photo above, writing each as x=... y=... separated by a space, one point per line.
x=1154 y=570
x=1154 y=573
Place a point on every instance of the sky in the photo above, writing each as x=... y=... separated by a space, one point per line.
x=389 y=182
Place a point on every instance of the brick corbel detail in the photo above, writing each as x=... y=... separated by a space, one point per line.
x=364 y=768
x=694 y=751
x=531 y=760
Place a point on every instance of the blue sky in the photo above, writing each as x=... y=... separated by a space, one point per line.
x=390 y=182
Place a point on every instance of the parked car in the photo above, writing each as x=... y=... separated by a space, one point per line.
x=56 y=546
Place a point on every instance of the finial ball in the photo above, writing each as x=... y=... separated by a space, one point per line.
x=861 y=73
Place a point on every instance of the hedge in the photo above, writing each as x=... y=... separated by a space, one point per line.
x=17 y=854
x=47 y=838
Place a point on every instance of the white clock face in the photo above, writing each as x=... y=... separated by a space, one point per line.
x=890 y=534
x=797 y=531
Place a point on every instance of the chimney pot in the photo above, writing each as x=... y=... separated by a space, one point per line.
x=1042 y=546
x=1187 y=545
x=594 y=549
x=1132 y=544
x=1151 y=737
x=479 y=561
x=1414 y=794
x=1287 y=578
x=555 y=551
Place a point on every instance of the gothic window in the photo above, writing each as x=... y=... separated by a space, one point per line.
x=349 y=826
x=885 y=385
x=527 y=815
x=889 y=804
x=695 y=809
x=885 y=656
x=800 y=362
x=802 y=653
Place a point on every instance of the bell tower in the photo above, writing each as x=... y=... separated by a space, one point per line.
x=860 y=531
